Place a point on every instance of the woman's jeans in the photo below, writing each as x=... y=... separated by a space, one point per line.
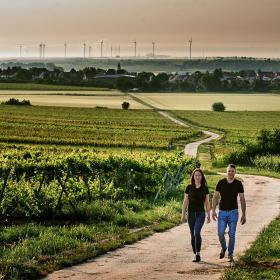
x=196 y=221
x=229 y=218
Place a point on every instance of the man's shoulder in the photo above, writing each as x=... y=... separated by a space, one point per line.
x=222 y=181
x=237 y=181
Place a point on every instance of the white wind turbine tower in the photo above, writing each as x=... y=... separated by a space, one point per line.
x=101 y=48
x=89 y=51
x=65 y=49
x=153 y=49
x=135 y=48
x=190 y=41
x=85 y=46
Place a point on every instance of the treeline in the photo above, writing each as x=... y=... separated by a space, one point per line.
x=218 y=80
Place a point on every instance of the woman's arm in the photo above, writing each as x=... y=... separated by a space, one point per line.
x=184 y=208
x=208 y=207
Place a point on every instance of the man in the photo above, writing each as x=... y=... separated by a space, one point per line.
x=228 y=189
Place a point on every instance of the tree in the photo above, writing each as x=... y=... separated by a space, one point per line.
x=218 y=107
x=125 y=105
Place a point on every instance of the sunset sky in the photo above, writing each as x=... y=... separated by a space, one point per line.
x=218 y=27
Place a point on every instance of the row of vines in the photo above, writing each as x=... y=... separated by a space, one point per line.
x=36 y=184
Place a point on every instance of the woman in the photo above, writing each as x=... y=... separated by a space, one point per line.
x=196 y=200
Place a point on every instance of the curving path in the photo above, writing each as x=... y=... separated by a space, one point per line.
x=191 y=148
x=168 y=255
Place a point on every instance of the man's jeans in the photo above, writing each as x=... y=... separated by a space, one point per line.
x=196 y=221
x=229 y=218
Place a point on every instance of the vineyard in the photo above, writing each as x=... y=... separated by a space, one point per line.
x=40 y=184
x=90 y=127
x=75 y=183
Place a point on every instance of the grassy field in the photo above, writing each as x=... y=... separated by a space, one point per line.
x=46 y=87
x=94 y=127
x=204 y=101
x=237 y=127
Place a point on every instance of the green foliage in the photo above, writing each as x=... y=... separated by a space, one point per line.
x=42 y=185
x=14 y=101
x=267 y=143
x=125 y=105
x=93 y=127
x=218 y=107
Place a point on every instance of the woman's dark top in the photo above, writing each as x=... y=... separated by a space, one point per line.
x=196 y=198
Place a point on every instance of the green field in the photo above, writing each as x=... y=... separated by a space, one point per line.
x=237 y=127
x=93 y=127
x=74 y=177
x=204 y=101
x=46 y=87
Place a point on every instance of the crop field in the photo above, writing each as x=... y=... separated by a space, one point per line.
x=46 y=87
x=93 y=127
x=204 y=101
x=77 y=100
x=238 y=128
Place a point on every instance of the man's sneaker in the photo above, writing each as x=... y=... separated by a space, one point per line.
x=196 y=258
x=230 y=258
x=222 y=254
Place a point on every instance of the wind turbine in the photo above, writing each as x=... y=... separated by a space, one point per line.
x=190 y=41
x=101 y=48
x=84 y=49
x=65 y=49
x=89 y=51
x=135 y=48
x=153 y=49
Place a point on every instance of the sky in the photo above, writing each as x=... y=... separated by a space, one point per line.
x=217 y=27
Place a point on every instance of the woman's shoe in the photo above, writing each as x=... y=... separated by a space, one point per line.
x=196 y=258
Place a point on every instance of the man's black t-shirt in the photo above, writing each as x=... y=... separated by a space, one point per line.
x=229 y=193
x=196 y=198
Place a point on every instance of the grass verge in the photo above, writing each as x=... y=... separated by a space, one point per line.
x=33 y=250
x=262 y=260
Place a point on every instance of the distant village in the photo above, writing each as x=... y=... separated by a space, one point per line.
x=217 y=80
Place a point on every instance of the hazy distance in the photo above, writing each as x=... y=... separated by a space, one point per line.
x=218 y=27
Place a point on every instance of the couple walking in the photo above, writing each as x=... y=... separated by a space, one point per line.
x=196 y=200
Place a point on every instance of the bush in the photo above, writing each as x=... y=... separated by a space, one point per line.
x=125 y=105
x=218 y=107
x=14 y=101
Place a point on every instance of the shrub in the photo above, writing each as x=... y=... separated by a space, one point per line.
x=14 y=101
x=218 y=107
x=125 y=105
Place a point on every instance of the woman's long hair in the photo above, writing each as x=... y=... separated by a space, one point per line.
x=203 y=180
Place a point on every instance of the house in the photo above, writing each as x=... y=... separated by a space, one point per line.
x=266 y=76
x=8 y=76
x=177 y=78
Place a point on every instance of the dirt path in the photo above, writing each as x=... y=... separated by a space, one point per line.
x=191 y=148
x=168 y=255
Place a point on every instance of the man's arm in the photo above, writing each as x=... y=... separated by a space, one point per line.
x=184 y=207
x=214 y=205
x=243 y=208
